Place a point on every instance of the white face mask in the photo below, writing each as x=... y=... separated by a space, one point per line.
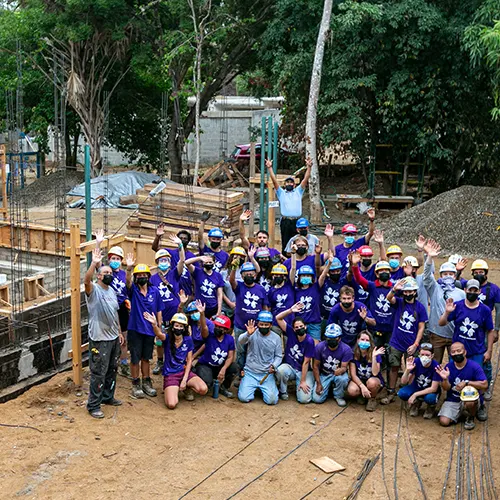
x=425 y=360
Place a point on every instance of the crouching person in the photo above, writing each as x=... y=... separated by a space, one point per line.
x=217 y=361
x=331 y=361
x=299 y=351
x=178 y=358
x=264 y=355
x=420 y=382
x=458 y=374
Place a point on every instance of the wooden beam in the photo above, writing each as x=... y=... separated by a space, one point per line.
x=270 y=217
x=88 y=246
x=83 y=348
x=76 y=327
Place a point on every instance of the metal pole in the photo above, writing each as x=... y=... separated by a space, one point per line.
x=275 y=145
x=262 y=172
x=270 y=156
x=88 y=202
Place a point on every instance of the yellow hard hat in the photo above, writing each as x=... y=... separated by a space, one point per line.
x=163 y=252
x=141 y=268
x=394 y=249
x=469 y=393
x=118 y=251
x=238 y=251
x=410 y=260
x=279 y=269
x=179 y=318
x=479 y=264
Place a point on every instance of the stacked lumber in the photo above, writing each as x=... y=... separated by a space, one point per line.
x=180 y=207
x=223 y=175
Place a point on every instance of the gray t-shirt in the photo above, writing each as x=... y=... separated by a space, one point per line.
x=103 y=313
x=263 y=351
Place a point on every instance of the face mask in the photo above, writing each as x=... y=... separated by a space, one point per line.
x=448 y=281
x=249 y=280
x=384 y=277
x=185 y=243
x=303 y=232
x=306 y=280
x=208 y=267
x=479 y=277
x=264 y=264
x=107 y=279
x=163 y=266
x=366 y=262
x=394 y=263
x=335 y=277
x=346 y=305
x=409 y=298
x=458 y=358
x=278 y=280
x=301 y=251
x=215 y=244
x=195 y=316
x=178 y=331
x=218 y=332
x=114 y=264
x=300 y=331
x=332 y=343
x=349 y=240
x=363 y=344
x=264 y=330
x=425 y=360
x=289 y=187
x=142 y=281
x=471 y=297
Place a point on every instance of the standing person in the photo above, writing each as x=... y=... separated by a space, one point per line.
x=144 y=297
x=281 y=295
x=299 y=250
x=178 y=347
x=261 y=237
x=105 y=337
x=458 y=374
x=263 y=258
x=330 y=365
x=290 y=199
x=263 y=358
x=330 y=292
x=421 y=382
x=215 y=236
x=395 y=259
x=299 y=351
x=192 y=311
x=302 y=227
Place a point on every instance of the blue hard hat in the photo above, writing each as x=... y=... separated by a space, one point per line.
x=191 y=307
x=305 y=270
x=265 y=316
x=335 y=264
x=333 y=331
x=302 y=222
x=215 y=233
x=247 y=266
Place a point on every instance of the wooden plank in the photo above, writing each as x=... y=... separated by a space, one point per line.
x=200 y=192
x=83 y=348
x=76 y=327
x=326 y=464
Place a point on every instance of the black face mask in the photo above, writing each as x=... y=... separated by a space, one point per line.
x=208 y=267
x=366 y=262
x=384 y=276
x=301 y=251
x=471 y=297
x=141 y=281
x=214 y=244
x=458 y=358
x=278 y=280
x=107 y=279
x=249 y=280
x=480 y=277
x=335 y=277
x=409 y=298
x=289 y=187
x=264 y=330
x=333 y=343
x=264 y=264
x=300 y=331
x=346 y=305
x=219 y=332
x=185 y=243
x=178 y=332
x=303 y=232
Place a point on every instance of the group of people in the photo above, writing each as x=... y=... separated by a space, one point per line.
x=336 y=322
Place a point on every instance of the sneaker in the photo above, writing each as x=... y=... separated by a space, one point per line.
x=147 y=387
x=124 y=369
x=341 y=401
x=112 y=402
x=391 y=396
x=371 y=405
x=137 y=392
x=284 y=396
x=226 y=392
x=415 y=407
x=488 y=395
x=469 y=424
x=158 y=367
x=482 y=414
x=189 y=395
x=96 y=413
x=429 y=412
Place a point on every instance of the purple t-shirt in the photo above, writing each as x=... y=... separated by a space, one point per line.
x=296 y=351
x=364 y=369
x=139 y=303
x=341 y=252
x=119 y=285
x=490 y=295
x=185 y=282
x=398 y=274
x=311 y=298
x=406 y=320
x=471 y=326
x=308 y=261
x=424 y=376
x=360 y=294
x=216 y=352
x=281 y=299
x=381 y=309
x=175 y=363
x=249 y=302
x=471 y=371
x=169 y=292
x=351 y=322
x=330 y=359
x=264 y=282
x=206 y=286
x=198 y=340
x=330 y=295
x=220 y=257
x=370 y=274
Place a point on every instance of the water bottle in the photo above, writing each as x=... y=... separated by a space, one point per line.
x=215 y=392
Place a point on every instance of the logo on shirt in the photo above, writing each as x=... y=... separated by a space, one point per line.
x=251 y=300
x=469 y=327
x=165 y=292
x=365 y=371
x=331 y=363
x=382 y=303
x=219 y=356
x=482 y=297
x=263 y=282
x=280 y=300
x=118 y=285
x=207 y=287
x=296 y=353
x=349 y=326
x=217 y=266
x=331 y=296
x=307 y=301
x=362 y=292
x=423 y=381
x=455 y=383
x=406 y=321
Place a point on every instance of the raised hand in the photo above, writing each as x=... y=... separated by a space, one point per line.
x=151 y=318
x=378 y=351
x=205 y=216
x=96 y=257
x=250 y=327
x=246 y=215
x=251 y=251
x=205 y=258
x=293 y=247
x=450 y=305
x=297 y=307
x=432 y=248
x=329 y=230
x=461 y=264
x=160 y=230
x=420 y=242
x=378 y=236
x=175 y=239
x=399 y=284
x=410 y=363
x=408 y=269
x=354 y=258
x=309 y=162
x=362 y=313
x=99 y=236
x=371 y=213
x=130 y=260
x=183 y=298
x=200 y=306
x=269 y=163
x=443 y=372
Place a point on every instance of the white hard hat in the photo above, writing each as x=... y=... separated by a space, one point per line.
x=447 y=267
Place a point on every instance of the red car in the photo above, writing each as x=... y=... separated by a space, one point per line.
x=242 y=155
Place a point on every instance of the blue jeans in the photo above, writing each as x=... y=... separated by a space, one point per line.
x=241 y=350
x=251 y=381
x=339 y=386
x=314 y=330
x=285 y=372
x=479 y=359
x=408 y=390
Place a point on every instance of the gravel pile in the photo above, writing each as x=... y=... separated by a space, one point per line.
x=465 y=220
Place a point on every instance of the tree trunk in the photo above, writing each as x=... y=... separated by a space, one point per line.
x=197 y=86
x=312 y=112
x=174 y=152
